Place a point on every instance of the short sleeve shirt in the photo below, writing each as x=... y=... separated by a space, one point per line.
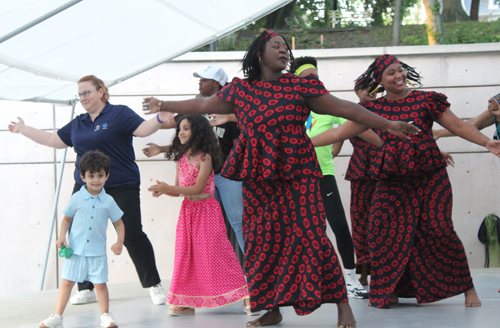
x=111 y=133
x=273 y=143
x=319 y=124
x=90 y=220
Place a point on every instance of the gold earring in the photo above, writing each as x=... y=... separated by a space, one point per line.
x=409 y=82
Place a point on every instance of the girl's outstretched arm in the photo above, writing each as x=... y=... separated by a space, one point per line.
x=205 y=171
x=328 y=104
x=346 y=131
x=161 y=188
x=210 y=105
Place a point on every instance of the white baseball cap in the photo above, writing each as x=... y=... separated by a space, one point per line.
x=213 y=72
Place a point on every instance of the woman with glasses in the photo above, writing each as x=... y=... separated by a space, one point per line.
x=109 y=128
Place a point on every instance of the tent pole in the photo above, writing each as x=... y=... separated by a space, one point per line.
x=38 y=20
x=54 y=208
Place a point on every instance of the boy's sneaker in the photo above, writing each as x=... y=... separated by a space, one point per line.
x=356 y=290
x=107 y=320
x=83 y=297
x=55 y=320
x=158 y=295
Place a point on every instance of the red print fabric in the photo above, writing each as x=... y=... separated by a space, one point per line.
x=271 y=117
x=288 y=257
x=414 y=248
x=362 y=189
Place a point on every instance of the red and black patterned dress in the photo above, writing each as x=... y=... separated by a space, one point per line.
x=362 y=188
x=288 y=257
x=415 y=251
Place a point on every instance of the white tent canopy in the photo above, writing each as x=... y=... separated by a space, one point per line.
x=46 y=46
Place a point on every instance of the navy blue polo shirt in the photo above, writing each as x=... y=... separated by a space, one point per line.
x=111 y=133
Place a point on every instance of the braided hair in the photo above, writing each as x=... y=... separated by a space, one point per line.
x=377 y=68
x=251 y=60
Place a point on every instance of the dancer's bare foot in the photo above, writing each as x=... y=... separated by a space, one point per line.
x=363 y=279
x=346 y=318
x=394 y=299
x=471 y=298
x=272 y=317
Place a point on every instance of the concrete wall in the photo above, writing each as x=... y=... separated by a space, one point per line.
x=466 y=73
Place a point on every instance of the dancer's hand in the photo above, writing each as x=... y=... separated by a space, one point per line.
x=448 y=158
x=16 y=127
x=117 y=248
x=402 y=129
x=150 y=105
x=159 y=188
x=494 y=107
x=494 y=147
x=62 y=241
x=216 y=119
x=152 y=150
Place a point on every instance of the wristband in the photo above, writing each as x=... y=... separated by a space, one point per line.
x=158 y=118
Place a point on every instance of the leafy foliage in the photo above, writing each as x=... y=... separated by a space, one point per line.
x=454 y=33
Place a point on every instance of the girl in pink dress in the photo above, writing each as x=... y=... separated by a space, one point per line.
x=206 y=270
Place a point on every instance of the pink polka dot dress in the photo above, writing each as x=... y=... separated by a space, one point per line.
x=207 y=273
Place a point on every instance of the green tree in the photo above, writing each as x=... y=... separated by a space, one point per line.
x=453 y=11
x=383 y=8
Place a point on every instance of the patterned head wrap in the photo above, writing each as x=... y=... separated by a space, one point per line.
x=377 y=68
x=270 y=34
x=381 y=64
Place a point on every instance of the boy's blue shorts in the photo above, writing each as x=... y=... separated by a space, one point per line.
x=90 y=268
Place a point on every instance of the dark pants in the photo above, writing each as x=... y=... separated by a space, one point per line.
x=335 y=216
x=136 y=241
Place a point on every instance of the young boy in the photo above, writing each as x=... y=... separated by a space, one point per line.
x=87 y=214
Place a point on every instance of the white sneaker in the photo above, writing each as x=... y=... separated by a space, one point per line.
x=158 y=295
x=107 y=320
x=83 y=297
x=55 y=320
x=356 y=290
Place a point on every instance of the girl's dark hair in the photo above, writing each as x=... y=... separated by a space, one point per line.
x=94 y=161
x=251 y=62
x=304 y=60
x=203 y=140
x=365 y=80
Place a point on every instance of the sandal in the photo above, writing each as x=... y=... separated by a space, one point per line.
x=177 y=311
x=248 y=310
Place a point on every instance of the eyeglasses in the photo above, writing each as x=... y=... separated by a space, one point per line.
x=84 y=94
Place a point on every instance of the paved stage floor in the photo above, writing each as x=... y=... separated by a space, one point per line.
x=131 y=306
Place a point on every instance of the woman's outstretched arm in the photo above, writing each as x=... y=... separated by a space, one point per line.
x=346 y=131
x=210 y=105
x=467 y=131
x=41 y=137
x=328 y=104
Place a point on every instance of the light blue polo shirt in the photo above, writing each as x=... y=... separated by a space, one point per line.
x=90 y=220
